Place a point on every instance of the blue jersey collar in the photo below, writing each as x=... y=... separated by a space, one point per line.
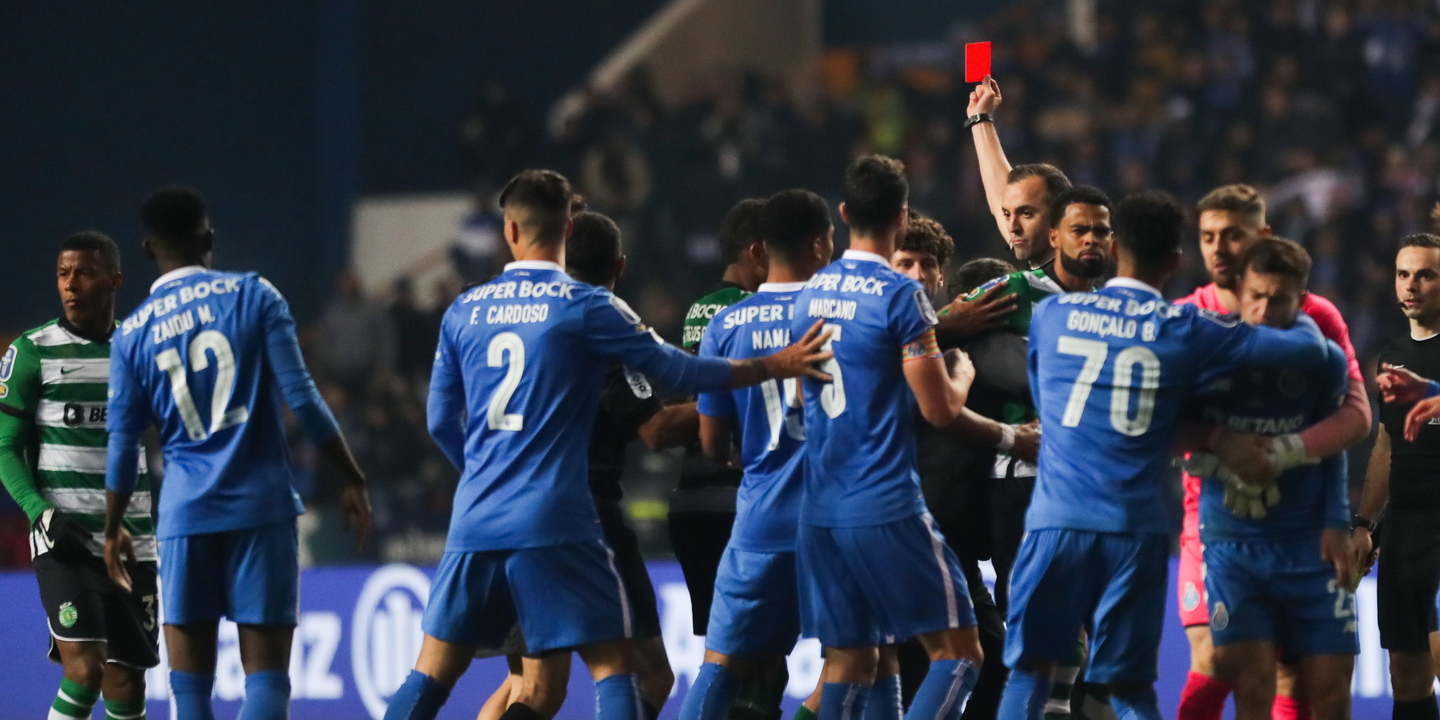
x=1134 y=284
x=533 y=265
x=780 y=287
x=176 y=274
x=865 y=255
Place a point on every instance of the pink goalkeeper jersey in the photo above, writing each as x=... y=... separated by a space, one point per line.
x=1332 y=326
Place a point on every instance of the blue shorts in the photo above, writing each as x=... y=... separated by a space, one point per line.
x=879 y=584
x=756 y=608
x=1280 y=592
x=251 y=576
x=561 y=596
x=1114 y=582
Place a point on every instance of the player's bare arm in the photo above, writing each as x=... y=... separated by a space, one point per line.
x=355 y=498
x=717 y=437
x=994 y=166
x=1373 y=499
x=941 y=384
x=975 y=317
x=673 y=426
x=119 y=548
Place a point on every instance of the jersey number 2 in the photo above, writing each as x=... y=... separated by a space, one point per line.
x=1123 y=377
x=507 y=343
x=201 y=347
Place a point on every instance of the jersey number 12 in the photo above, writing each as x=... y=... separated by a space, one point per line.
x=201 y=347
x=1123 y=377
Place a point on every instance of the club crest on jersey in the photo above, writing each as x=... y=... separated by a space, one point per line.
x=67 y=615
x=4 y=390
x=1191 y=600
x=927 y=310
x=1219 y=617
x=987 y=287
x=7 y=364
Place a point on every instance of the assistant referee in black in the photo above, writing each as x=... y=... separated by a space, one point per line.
x=1403 y=483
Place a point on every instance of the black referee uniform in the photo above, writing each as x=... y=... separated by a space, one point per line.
x=1409 y=543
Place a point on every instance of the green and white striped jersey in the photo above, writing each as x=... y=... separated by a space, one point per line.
x=53 y=387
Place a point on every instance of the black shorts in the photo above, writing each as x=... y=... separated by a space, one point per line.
x=83 y=605
x=1406 y=581
x=699 y=539
x=633 y=574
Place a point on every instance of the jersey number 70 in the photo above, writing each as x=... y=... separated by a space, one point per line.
x=1123 y=377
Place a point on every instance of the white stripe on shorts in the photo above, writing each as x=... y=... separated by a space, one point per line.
x=952 y=607
x=620 y=585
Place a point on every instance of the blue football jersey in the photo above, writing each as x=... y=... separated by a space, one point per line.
x=513 y=396
x=769 y=416
x=1277 y=401
x=1111 y=373
x=860 y=428
x=193 y=360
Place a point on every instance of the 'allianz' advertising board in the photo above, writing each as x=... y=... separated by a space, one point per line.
x=359 y=635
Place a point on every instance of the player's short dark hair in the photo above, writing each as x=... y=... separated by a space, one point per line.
x=1421 y=240
x=592 y=252
x=740 y=229
x=1277 y=256
x=540 y=200
x=875 y=192
x=977 y=272
x=924 y=235
x=176 y=217
x=790 y=220
x=1150 y=224
x=1077 y=195
x=1055 y=180
x=96 y=242
x=1238 y=198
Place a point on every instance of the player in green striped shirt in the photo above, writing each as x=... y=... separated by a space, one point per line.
x=53 y=392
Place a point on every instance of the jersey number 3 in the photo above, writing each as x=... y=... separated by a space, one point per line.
x=210 y=342
x=1123 y=378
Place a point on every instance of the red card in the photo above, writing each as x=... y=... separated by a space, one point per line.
x=977 y=61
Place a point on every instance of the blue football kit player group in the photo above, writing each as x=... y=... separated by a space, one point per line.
x=873 y=570
x=1267 y=585
x=207 y=359
x=516 y=381
x=1111 y=373
x=755 y=613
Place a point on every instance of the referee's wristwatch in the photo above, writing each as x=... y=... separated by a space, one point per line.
x=1358 y=521
x=978 y=118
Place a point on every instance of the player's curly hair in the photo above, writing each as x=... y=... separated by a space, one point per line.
x=1150 y=224
x=924 y=235
x=592 y=252
x=176 y=218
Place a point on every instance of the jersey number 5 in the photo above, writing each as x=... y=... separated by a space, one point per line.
x=201 y=347
x=832 y=395
x=1122 y=379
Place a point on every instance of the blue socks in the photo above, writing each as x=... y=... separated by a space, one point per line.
x=1025 y=696
x=420 y=698
x=843 y=701
x=617 y=698
x=884 y=703
x=943 y=693
x=1135 y=703
x=711 y=695
x=191 y=693
x=267 y=696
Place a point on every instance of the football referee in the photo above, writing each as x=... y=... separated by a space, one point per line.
x=1405 y=476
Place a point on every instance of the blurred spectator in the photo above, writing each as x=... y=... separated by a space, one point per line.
x=478 y=252
x=355 y=341
x=416 y=333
